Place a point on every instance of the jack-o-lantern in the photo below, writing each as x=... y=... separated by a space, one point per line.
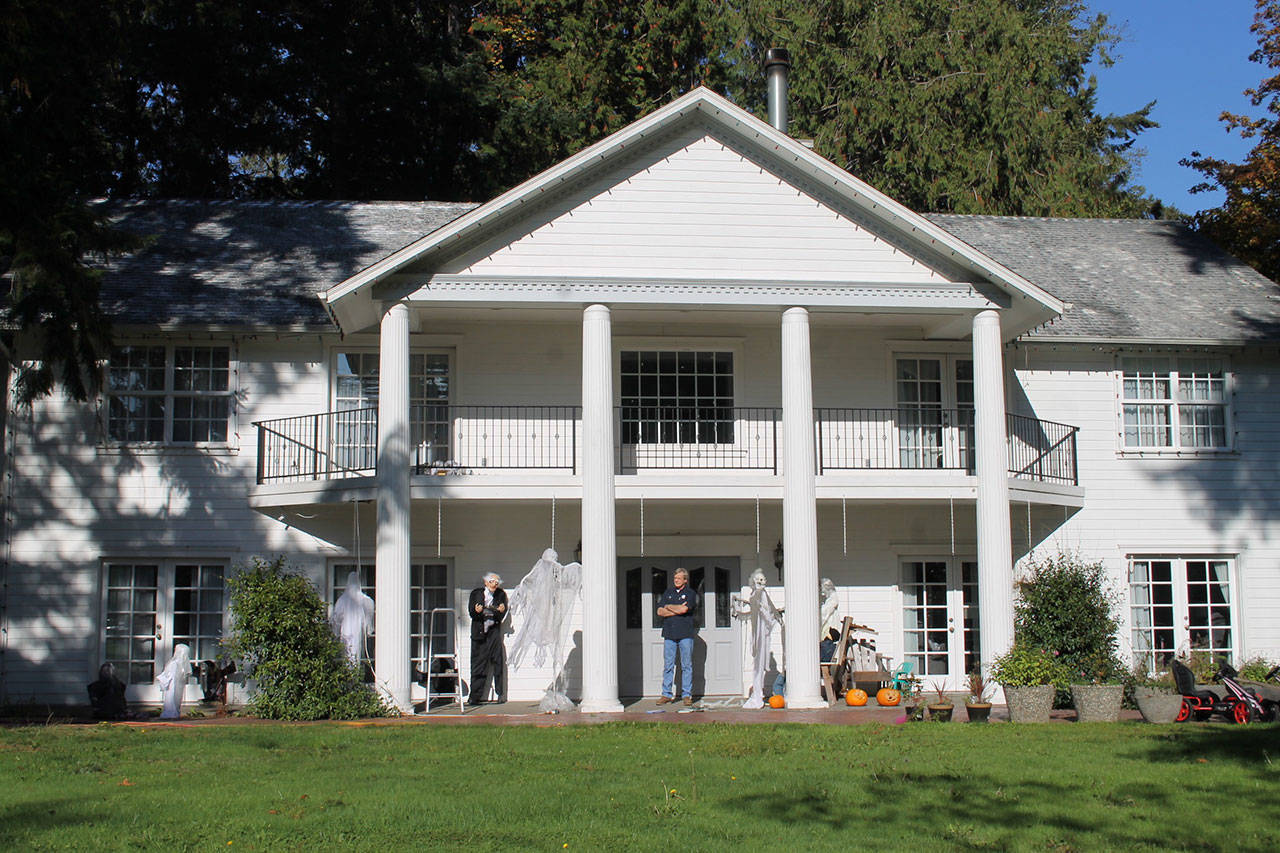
x=888 y=697
x=856 y=698
x=776 y=701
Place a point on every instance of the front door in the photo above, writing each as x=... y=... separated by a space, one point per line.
x=940 y=620
x=717 y=655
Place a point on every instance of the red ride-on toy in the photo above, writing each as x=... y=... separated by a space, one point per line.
x=1239 y=705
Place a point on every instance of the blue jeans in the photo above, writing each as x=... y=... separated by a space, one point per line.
x=669 y=666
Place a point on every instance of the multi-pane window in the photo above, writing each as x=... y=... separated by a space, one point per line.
x=356 y=391
x=1176 y=403
x=676 y=397
x=163 y=393
x=1195 y=589
x=930 y=433
x=925 y=614
x=428 y=589
x=153 y=606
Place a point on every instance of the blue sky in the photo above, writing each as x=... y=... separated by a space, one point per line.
x=1192 y=58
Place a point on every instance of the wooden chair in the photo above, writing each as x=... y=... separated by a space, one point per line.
x=836 y=667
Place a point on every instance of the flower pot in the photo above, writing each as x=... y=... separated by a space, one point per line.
x=914 y=713
x=941 y=713
x=1097 y=703
x=1157 y=706
x=1029 y=704
x=978 y=712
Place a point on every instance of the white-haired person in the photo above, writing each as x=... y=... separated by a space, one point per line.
x=488 y=607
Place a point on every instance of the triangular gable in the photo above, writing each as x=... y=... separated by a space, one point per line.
x=517 y=221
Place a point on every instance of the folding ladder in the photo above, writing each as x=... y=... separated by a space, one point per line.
x=442 y=666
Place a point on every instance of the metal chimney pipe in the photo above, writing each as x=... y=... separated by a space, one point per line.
x=777 y=62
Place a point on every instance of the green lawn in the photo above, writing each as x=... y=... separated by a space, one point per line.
x=642 y=786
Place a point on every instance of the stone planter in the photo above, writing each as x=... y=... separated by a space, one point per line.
x=1097 y=703
x=1029 y=704
x=1157 y=706
x=941 y=713
x=978 y=712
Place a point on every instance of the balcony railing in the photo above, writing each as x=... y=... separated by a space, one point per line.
x=682 y=437
x=447 y=438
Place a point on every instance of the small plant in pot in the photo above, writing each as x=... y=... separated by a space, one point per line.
x=1098 y=689
x=1029 y=676
x=940 y=704
x=1156 y=695
x=912 y=703
x=976 y=704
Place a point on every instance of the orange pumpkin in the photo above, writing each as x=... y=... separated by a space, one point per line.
x=856 y=698
x=888 y=697
x=776 y=701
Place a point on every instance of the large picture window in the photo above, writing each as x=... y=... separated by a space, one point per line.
x=1174 y=403
x=175 y=394
x=676 y=397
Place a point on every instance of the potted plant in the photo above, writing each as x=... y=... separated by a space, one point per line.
x=1156 y=696
x=940 y=707
x=1028 y=676
x=1098 y=690
x=976 y=704
x=912 y=704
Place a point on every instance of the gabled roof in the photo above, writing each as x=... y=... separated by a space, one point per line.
x=1142 y=281
x=350 y=301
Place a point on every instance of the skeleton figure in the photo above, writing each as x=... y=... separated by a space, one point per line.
x=754 y=606
x=541 y=605
x=353 y=617
x=173 y=682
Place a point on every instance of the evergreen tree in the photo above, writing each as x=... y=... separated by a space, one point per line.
x=1247 y=223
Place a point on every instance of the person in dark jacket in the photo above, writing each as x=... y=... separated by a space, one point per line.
x=678 y=607
x=488 y=607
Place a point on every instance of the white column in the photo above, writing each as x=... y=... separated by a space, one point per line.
x=799 y=514
x=391 y=660
x=995 y=551
x=599 y=543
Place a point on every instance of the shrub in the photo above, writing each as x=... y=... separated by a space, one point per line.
x=1065 y=606
x=281 y=633
x=1256 y=669
x=1027 y=666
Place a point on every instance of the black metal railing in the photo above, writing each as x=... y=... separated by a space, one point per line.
x=684 y=437
x=460 y=438
x=1042 y=450
x=903 y=438
x=345 y=443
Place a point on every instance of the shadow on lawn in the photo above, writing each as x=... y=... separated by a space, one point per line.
x=19 y=824
x=1255 y=748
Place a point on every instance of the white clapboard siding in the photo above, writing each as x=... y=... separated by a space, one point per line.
x=696 y=209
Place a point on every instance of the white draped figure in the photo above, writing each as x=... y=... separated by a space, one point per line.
x=541 y=607
x=353 y=617
x=173 y=682
x=755 y=606
x=828 y=610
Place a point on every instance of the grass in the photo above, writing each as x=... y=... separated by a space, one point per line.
x=641 y=786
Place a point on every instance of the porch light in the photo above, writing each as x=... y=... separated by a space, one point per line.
x=777 y=559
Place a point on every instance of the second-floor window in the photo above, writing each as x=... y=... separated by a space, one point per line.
x=169 y=393
x=1174 y=403
x=676 y=397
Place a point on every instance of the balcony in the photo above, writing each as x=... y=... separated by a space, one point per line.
x=476 y=439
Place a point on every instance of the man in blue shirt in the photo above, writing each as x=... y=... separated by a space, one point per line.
x=677 y=607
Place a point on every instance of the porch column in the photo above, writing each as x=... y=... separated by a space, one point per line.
x=599 y=543
x=391 y=616
x=799 y=514
x=995 y=550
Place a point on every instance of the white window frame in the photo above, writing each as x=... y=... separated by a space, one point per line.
x=170 y=394
x=1180 y=601
x=1176 y=360
x=337 y=351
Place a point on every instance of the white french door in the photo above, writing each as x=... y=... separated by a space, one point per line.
x=940 y=620
x=151 y=606
x=1179 y=605
x=717 y=654
x=934 y=411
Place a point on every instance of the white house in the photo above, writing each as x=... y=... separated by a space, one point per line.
x=691 y=344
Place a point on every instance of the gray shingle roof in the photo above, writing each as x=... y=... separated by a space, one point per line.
x=245 y=263
x=1129 y=278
